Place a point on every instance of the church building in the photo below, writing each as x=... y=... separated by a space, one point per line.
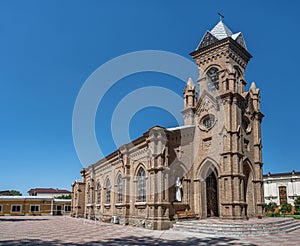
x=209 y=167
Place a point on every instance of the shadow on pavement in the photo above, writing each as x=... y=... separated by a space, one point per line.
x=19 y=219
x=147 y=241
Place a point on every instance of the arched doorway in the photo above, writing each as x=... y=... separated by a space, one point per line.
x=248 y=190
x=212 y=195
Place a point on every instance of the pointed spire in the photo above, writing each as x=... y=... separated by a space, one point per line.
x=190 y=84
x=190 y=94
x=254 y=89
x=255 y=95
x=253 y=86
x=221 y=31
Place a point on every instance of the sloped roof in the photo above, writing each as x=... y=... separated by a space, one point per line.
x=4 y=192
x=48 y=190
x=180 y=127
x=219 y=32
x=22 y=198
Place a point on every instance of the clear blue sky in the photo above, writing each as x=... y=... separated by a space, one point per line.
x=49 y=48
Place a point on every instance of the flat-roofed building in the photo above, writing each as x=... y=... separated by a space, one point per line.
x=34 y=205
x=281 y=187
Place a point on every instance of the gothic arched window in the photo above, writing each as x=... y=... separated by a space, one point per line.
x=108 y=190
x=213 y=79
x=99 y=193
x=141 y=185
x=120 y=189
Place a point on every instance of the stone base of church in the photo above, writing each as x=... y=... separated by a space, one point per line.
x=152 y=224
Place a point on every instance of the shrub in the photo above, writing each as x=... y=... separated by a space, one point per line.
x=270 y=207
x=15 y=193
x=276 y=214
x=286 y=208
x=297 y=205
x=64 y=197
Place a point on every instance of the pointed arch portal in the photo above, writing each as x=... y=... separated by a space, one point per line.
x=248 y=190
x=209 y=189
x=212 y=195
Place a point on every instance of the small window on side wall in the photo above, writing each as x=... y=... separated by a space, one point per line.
x=67 y=208
x=34 y=208
x=16 y=208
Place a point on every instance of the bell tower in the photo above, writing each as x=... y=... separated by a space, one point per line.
x=228 y=128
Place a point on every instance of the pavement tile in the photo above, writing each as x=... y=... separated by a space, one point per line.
x=52 y=230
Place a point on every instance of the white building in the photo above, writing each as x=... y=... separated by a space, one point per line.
x=281 y=187
x=48 y=192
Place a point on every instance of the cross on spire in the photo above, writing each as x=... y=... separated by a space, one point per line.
x=221 y=16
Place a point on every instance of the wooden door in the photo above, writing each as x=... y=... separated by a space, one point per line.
x=212 y=195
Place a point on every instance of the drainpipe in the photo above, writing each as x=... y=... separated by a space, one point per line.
x=24 y=207
x=52 y=206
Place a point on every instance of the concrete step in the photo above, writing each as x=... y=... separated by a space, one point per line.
x=294 y=225
x=247 y=224
x=248 y=228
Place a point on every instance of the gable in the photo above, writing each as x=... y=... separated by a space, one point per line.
x=208 y=39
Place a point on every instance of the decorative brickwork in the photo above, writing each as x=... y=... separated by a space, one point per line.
x=216 y=156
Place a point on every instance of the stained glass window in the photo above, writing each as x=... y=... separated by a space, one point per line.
x=209 y=121
x=141 y=185
x=108 y=190
x=120 y=189
x=213 y=79
x=98 y=193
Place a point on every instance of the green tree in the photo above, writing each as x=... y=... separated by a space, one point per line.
x=64 y=197
x=297 y=204
x=270 y=207
x=286 y=208
x=15 y=193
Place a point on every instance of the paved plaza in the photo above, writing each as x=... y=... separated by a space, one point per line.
x=51 y=230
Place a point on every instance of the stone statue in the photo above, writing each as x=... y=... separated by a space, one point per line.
x=178 y=186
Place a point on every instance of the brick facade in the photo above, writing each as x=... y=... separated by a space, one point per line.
x=216 y=155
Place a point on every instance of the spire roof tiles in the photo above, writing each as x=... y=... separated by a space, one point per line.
x=219 y=32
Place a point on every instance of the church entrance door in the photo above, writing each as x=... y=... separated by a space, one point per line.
x=212 y=195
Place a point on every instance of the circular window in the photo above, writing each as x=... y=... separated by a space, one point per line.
x=208 y=121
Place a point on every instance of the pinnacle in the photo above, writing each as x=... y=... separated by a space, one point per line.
x=253 y=86
x=190 y=82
